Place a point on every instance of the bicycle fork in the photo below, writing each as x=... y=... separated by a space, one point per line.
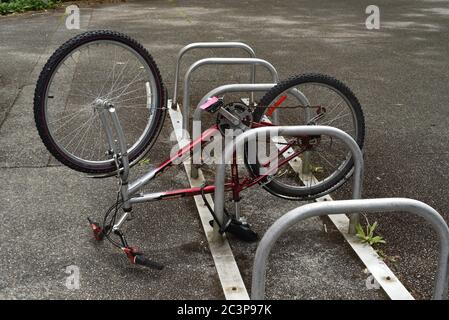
x=119 y=152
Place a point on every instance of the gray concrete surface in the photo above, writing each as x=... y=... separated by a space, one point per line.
x=399 y=73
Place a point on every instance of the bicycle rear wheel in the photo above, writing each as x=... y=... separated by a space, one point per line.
x=327 y=163
x=97 y=66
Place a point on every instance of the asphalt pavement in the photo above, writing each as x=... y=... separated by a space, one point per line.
x=400 y=74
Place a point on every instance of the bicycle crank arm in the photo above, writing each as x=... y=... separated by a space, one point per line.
x=233 y=119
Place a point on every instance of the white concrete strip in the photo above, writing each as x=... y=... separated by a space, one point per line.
x=373 y=262
x=228 y=272
x=380 y=271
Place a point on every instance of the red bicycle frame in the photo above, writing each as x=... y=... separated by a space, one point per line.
x=235 y=185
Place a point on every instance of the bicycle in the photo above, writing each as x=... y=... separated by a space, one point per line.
x=103 y=79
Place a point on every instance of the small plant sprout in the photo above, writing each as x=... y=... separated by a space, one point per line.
x=368 y=236
x=144 y=162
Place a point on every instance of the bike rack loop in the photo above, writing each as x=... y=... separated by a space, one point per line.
x=239 y=87
x=210 y=45
x=292 y=131
x=216 y=61
x=385 y=205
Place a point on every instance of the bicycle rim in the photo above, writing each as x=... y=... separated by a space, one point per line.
x=102 y=69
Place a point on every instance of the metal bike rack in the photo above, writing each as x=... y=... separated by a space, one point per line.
x=243 y=87
x=211 y=45
x=292 y=131
x=385 y=205
x=217 y=61
x=223 y=89
x=196 y=127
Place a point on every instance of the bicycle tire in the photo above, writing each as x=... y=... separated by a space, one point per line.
x=323 y=188
x=46 y=75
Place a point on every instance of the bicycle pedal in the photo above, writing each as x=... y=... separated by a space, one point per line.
x=241 y=231
x=212 y=104
x=97 y=230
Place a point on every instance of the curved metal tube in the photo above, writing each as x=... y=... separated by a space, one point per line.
x=227 y=88
x=209 y=45
x=351 y=206
x=223 y=61
x=291 y=131
x=196 y=128
x=240 y=87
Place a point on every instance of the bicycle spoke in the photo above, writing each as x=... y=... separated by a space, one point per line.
x=126 y=87
x=336 y=118
x=133 y=98
x=77 y=130
x=68 y=121
x=69 y=115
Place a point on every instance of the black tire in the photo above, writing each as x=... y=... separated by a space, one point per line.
x=46 y=76
x=321 y=189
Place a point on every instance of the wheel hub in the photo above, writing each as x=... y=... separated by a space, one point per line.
x=102 y=103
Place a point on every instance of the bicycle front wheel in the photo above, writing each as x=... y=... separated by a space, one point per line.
x=98 y=66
